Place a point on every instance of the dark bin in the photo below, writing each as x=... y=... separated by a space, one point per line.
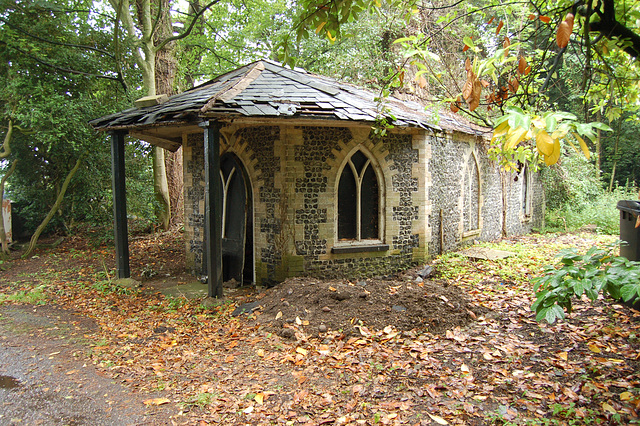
x=629 y=212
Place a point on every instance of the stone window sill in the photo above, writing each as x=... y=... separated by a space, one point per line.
x=359 y=248
x=470 y=234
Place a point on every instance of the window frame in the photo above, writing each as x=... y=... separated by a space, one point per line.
x=526 y=195
x=359 y=244
x=466 y=192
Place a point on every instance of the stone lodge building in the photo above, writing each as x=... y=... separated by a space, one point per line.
x=306 y=187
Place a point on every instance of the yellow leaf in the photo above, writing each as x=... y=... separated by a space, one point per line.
x=322 y=24
x=438 y=419
x=500 y=131
x=259 y=398
x=330 y=37
x=539 y=123
x=555 y=156
x=279 y=315
x=544 y=143
x=515 y=137
x=558 y=134
x=594 y=348
x=583 y=145
x=563 y=355
x=301 y=351
x=156 y=401
x=260 y=352
x=626 y=396
x=609 y=408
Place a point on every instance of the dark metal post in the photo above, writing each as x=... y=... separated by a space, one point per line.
x=213 y=208
x=119 y=205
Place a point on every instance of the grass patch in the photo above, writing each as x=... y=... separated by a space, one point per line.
x=35 y=296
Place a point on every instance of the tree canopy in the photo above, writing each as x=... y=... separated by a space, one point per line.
x=539 y=72
x=507 y=63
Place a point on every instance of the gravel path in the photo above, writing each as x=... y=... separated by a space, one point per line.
x=47 y=379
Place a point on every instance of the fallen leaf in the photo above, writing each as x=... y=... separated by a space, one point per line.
x=301 y=351
x=609 y=408
x=594 y=348
x=279 y=315
x=156 y=401
x=259 y=398
x=626 y=396
x=438 y=419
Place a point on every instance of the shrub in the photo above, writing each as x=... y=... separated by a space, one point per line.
x=597 y=271
x=575 y=198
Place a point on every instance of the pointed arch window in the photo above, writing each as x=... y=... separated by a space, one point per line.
x=526 y=192
x=358 y=200
x=471 y=197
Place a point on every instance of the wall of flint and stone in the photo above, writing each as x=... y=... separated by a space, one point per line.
x=500 y=196
x=293 y=173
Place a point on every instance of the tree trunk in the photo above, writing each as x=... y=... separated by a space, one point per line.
x=3 y=232
x=54 y=209
x=175 y=181
x=166 y=65
x=161 y=188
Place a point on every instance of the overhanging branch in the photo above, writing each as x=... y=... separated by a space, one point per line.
x=612 y=29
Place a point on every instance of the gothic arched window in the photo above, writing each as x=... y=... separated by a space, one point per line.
x=358 y=200
x=471 y=195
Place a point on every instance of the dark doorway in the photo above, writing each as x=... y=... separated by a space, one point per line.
x=237 y=221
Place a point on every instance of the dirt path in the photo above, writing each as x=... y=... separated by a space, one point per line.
x=46 y=377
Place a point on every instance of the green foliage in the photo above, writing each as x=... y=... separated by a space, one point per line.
x=575 y=197
x=522 y=136
x=595 y=272
x=57 y=74
x=621 y=153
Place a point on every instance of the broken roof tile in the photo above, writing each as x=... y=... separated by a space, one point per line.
x=265 y=89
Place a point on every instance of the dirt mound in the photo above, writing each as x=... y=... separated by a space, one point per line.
x=334 y=305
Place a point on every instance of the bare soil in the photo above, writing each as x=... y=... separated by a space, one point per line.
x=405 y=302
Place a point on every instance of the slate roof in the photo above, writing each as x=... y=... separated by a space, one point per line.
x=267 y=90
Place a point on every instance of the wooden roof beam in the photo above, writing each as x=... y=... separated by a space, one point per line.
x=171 y=144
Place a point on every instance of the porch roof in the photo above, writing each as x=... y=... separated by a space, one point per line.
x=264 y=89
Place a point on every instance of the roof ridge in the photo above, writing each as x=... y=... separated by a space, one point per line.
x=232 y=90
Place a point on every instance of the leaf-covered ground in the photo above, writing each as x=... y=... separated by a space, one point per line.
x=460 y=347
